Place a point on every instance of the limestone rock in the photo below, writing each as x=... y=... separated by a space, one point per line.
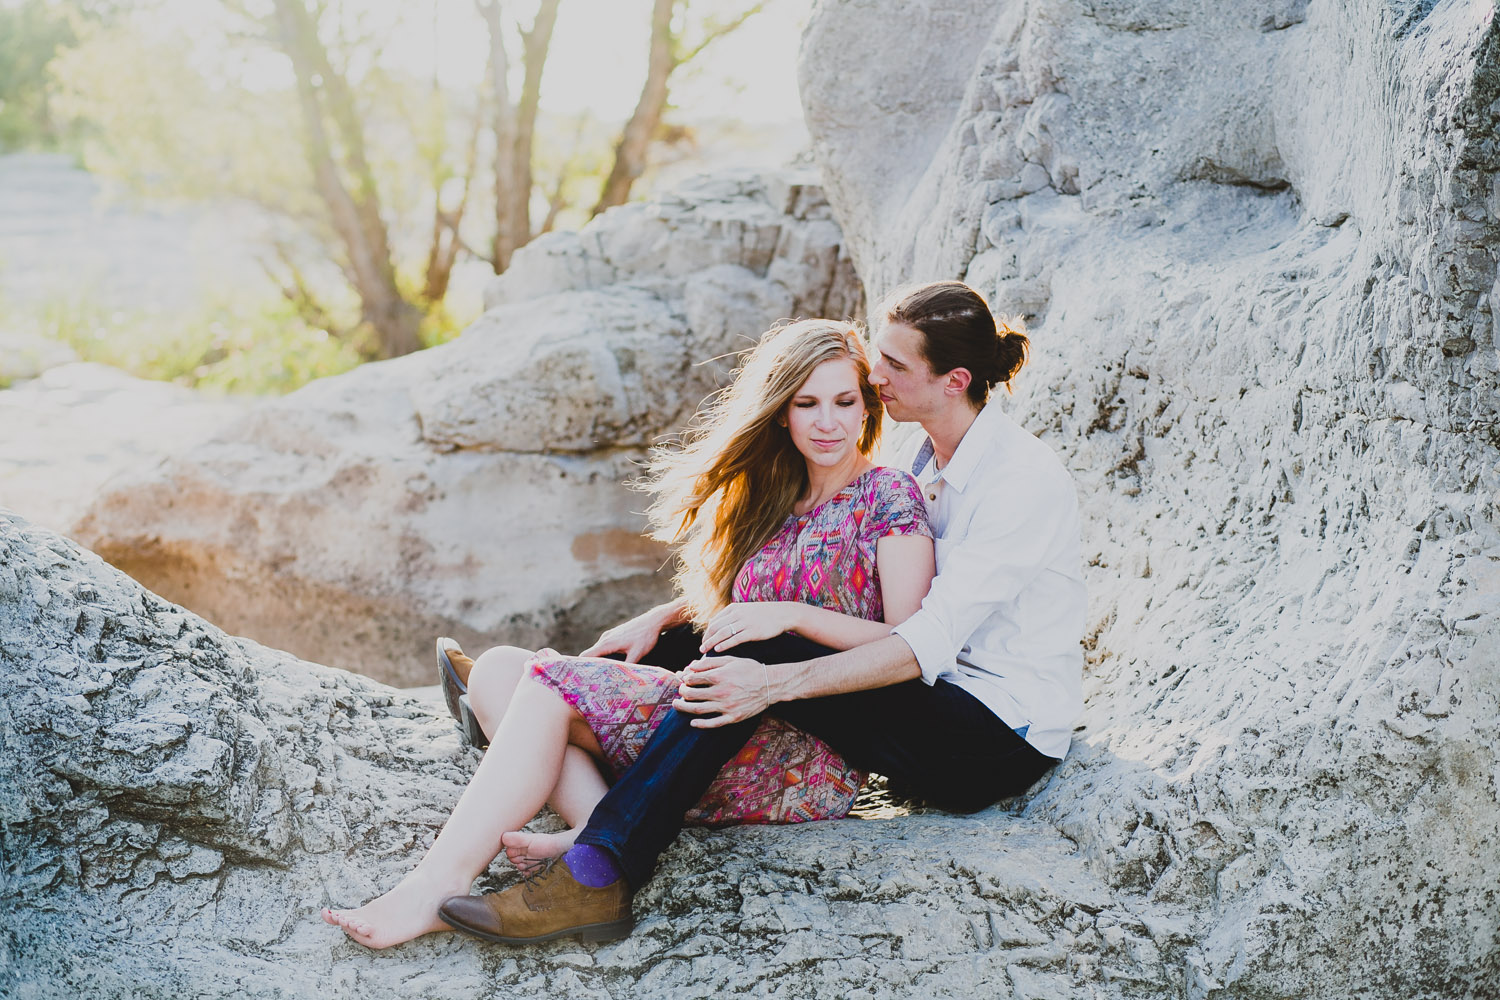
x=474 y=489
x=25 y=356
x=177 y=805
x=66 y=432
x=1257 y=246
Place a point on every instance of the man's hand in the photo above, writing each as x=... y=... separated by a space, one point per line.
x=747 y=621
x=734 y=687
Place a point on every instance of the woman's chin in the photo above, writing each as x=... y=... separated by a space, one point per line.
x=827 y=459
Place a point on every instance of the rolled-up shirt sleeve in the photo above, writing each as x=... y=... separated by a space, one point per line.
x=996 y=558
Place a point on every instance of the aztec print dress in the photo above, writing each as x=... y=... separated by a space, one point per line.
x=826 y=558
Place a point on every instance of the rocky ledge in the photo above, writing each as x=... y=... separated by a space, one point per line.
x=178 y=804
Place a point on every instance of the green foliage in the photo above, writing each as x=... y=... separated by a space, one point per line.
x=440 y=325
x=571 y=157
x=157 y=123
x=31 y=33
x=228 y=346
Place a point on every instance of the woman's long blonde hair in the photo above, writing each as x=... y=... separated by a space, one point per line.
x=734 y=478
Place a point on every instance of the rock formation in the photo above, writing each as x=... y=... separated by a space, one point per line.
x=178 y=804
x=474 y=489
x=1257 y=243
x=66 y=431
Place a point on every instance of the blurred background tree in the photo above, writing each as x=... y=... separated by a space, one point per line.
x=677 y=37
x=32 y=32
x=383 y=175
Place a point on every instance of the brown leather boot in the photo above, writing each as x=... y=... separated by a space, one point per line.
x=550 y=903
x=454 y=669
x=461 y=664
x=453 y=674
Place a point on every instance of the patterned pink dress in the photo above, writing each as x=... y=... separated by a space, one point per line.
x=826 y=558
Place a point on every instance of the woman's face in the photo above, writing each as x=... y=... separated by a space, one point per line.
x=827 y=414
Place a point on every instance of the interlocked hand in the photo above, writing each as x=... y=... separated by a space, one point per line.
x=731 y=686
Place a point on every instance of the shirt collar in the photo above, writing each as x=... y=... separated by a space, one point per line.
x=971 y=448
x=924 y=455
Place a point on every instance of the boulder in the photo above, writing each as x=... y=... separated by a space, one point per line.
x=66 y=432
x=1257 y=246
x=476 y=489
x=26 y=355
x=178 y=804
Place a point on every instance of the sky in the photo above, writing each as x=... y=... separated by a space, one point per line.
x=597 y=61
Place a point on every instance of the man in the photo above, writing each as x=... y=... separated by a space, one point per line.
x=970 y=700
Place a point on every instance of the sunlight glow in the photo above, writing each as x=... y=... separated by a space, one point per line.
x=597 y=60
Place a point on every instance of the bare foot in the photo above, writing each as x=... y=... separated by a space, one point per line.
x=407 y=911
x=526 y=849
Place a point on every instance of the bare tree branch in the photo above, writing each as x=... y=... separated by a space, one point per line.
x=356 y=216
x=515 y=124
x=666 y=55
x=630 y=151
x=445 y=224
x=297 y=292
x=718 y=31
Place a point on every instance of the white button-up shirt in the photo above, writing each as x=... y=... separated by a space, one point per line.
x=1006 y=610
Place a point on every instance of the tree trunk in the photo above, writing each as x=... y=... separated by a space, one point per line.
x=514 y=126
x=443 y=251
x=630 y=152
x=355 y=215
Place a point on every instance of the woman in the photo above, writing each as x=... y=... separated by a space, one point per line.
x=783 y=524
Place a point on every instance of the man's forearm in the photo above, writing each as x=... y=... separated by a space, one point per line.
x=876 y=664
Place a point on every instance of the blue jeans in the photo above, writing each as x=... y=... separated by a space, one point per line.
x=938 y=743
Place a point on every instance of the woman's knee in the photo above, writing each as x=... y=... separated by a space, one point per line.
x=498 y=668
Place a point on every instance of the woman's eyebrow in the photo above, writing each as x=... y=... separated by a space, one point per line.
x=837 y=395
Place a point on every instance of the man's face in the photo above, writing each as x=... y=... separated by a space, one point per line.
x=907 y=386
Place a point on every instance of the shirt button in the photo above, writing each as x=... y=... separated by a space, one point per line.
x=932 y=496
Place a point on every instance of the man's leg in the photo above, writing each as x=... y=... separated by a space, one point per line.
x=642 y=813
x=588 y=891
x=939 y=742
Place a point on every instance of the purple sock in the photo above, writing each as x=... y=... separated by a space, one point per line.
x=592 y=866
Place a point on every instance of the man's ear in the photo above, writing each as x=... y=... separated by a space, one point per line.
x=958 y=382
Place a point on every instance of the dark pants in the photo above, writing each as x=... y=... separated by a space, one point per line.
x=938 y=743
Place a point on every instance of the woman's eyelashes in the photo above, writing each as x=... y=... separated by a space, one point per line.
x=807 y=404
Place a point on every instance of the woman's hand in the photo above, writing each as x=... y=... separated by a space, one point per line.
x=636 y=637
x=748 y=621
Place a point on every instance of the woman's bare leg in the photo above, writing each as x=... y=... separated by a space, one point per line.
x=492 y=683
x=520 y=770
x=578 y=791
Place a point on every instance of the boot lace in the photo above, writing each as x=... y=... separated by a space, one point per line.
x=536 y=871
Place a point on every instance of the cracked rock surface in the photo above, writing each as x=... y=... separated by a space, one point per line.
x=178 y=804
x=1256 y=244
